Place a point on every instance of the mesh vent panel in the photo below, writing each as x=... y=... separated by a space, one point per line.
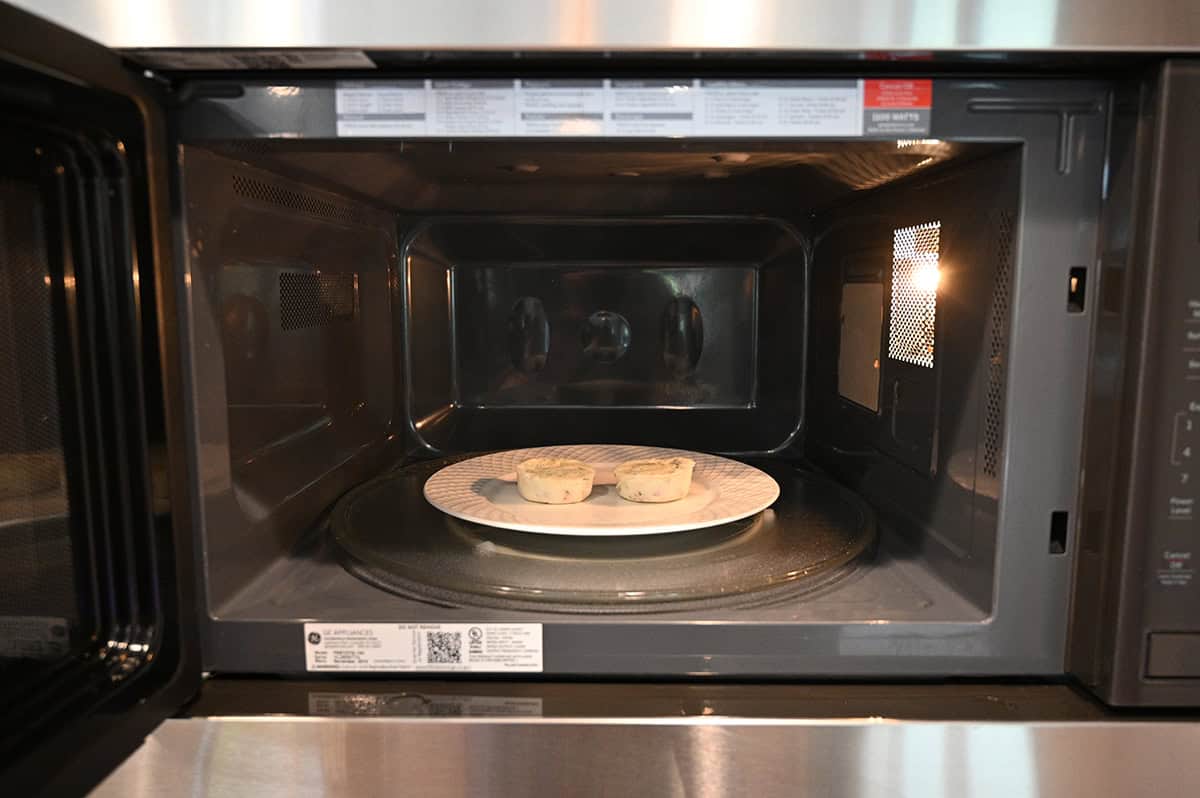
x=914 y=293
x=291 y=199
x=997 y=344
x=309 y=299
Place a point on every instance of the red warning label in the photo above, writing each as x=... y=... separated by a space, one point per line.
x=900 y=108
x=898 y=93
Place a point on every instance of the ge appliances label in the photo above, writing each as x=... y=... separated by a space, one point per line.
x=489 y=647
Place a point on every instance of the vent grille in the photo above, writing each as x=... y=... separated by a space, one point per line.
x=311 y=299
x=1001 y=299
x=262 y=191
x=915 y=253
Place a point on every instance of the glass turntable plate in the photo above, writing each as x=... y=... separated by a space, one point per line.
x=387 y=534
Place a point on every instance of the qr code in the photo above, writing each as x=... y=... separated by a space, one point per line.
x=443 y=647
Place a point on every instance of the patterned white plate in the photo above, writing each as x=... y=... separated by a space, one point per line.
x=484 y=490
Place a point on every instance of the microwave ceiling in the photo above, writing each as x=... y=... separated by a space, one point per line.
x=670 y=176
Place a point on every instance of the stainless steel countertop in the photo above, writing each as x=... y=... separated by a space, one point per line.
x=694 y=756
x=420 y=737
x=849 y=25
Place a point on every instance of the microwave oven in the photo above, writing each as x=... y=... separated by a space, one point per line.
x=247 y=316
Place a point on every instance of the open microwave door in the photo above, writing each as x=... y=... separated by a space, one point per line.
x=97 y=630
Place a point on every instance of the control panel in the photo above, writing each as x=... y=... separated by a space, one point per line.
x=1135 y=623
x=1175 y=564
x=1171 y=613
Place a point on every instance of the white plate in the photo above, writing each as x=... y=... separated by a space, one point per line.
x=484 y=490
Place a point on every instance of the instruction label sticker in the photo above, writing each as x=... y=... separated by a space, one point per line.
x=381 y=108
x=634 y=108
x=472 y=108
x=897 y=107
x=560 y=108
x=651 y=108
x=33 y=637
x=422 y=705
x=781 y=108
x=488 y=647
